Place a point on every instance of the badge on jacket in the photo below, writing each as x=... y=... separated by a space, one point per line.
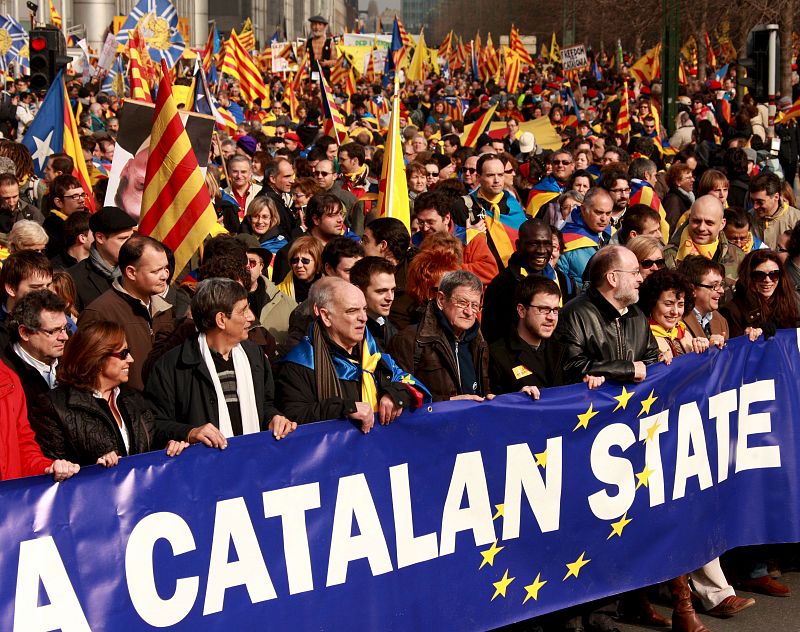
x=521 y=371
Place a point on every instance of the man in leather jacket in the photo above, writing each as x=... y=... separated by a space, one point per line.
x=603 y=331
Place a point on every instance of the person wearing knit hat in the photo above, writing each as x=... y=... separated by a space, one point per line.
x=293 y=142
x=247 y=145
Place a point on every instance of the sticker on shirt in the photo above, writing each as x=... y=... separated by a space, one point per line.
x=521 y=371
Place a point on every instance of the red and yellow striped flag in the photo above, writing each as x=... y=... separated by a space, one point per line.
x=369 y=75
x=711 y=58
x=208 y=50
x=792 y=113
x=446 y=47
x=623 y=118
x=473 y=131
x=55 y=16
x=247 y=37
x=138 y=64
x=229 y=66
x=72 y=147
x=333 y=125
x=239 y=64
x=513 y=68
x=515 y=44
x=176 y=206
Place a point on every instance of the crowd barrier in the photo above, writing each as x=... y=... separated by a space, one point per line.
x=458 y=516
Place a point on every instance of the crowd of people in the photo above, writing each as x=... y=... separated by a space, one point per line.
x=308 y=306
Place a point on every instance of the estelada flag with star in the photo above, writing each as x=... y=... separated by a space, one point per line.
x=176 y=206
x=54 y=131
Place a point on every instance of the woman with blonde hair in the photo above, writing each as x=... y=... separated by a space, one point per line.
x=305 y=259
x=26 y=234
x=649 y=252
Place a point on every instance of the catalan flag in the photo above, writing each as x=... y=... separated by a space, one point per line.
x=643 y=193
x=212 y=47
x=648 y=67
x=240 y=65
x=792 y=113
x=204 y=103
x=54 y=131
x=446 y=47
x=369 y=75
x=396 y=47
x=516 y=45
x=543 y=192
x=176 y=206
x=247 y=37
x=139 y=86
x=55 y=16
x=334 y=125
x=513 y=67
x=711 y=58
x=473 y=131
x=491 y=60
x=393 y=189
x=623 y=118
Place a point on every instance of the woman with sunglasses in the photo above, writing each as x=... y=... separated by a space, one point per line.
x=650 y=253
x=92 y=416
x=764 y=300
x=263 y=221
x=305 y=256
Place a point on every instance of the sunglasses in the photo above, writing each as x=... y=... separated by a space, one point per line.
x=295 y=260
x=561 y=162
x=121 y=354
x=759 y=276
x=649 y=263
x=470 y=170
x=509 y=172
x=433 y=174
x=322 y=174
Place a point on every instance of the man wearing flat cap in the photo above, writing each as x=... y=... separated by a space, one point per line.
x=320 y=48
x=94 y=275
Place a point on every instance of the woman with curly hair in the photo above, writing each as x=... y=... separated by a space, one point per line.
x=765 y=299
x=666 y=297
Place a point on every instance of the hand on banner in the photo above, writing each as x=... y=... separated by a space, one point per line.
x=208 y=435
x=533 y=391
x=109 y=460
x=639 y=371
x=753 y=333
x=665 y=357
x=594 y=381
x=717 y=340
x=62 y=470
x=388 y=411
x=365 y=415
x=700 y=345
x=174 y=448
x=471 y=398
x=280 y=427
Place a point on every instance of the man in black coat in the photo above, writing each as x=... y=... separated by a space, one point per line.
x=603 y=331
x=528 y=358
x=534 y=247
x=217 y=384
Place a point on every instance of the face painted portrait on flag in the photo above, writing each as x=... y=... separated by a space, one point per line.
x=126 y=180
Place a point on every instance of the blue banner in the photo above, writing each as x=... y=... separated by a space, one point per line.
x=461 y=516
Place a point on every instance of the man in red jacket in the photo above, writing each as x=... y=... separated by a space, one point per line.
x=20 y=455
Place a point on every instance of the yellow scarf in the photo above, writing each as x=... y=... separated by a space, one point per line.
x=287 y=285
x=58 y=214
x=496 y=229
x=356 y=175
x=676 y=333
x=688 y=247
x=523 y=272
x=749 y=245
x=369 y=362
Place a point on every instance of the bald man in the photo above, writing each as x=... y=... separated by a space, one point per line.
x=702 y=235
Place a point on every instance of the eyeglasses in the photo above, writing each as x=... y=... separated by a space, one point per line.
x=544 y=310
x=625 y=190
x=122 y=354
x=321 y=174
x=464 y=304
x=54 y=332
x=295 y=260
x=759 y=276
x=76 y=196
x=469 y=170
x=561 y=162
x=636 y=272
x=509 y=172
x=252 y=263
x=718 y=287
x=432 y=174
x=649 y=263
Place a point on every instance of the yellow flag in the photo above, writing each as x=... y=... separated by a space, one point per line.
x=393 y=188
x=555 y=50
x=416 y=69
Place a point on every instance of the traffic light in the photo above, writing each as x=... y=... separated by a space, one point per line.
x=756 y=63
x=48 y=54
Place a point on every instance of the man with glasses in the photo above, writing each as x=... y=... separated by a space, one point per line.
x=67 y=196
x=773 y=214
x=707 y=278
x=615 y=182
x=469 y=173
x=38 y=332
x=603 y=331
x=528 y=358
x=446 y=350
x=543 y=198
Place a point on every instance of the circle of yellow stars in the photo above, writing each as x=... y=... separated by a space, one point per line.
x=574 y=568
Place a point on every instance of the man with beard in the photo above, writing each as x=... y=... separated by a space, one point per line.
x=604 y=333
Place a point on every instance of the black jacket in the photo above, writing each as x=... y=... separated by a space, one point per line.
x=599 y=341
x=287 y=222
x=90 y=282
x=182 y=394
x=77 y=426
x=33 y=384
x=513 y=363
x=499 y=309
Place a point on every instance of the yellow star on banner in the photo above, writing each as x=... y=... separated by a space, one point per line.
x=583 y=420
x=533 y=589
x=644 y=476
x=651 y=431
x=501 y=586
x=647 y=403
x=541 y=459
x=500 y=511
x=575 y=567
x=623 y=398
x=617 y=527
x=488 y=555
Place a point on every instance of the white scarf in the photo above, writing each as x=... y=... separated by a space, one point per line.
x=244 y=390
